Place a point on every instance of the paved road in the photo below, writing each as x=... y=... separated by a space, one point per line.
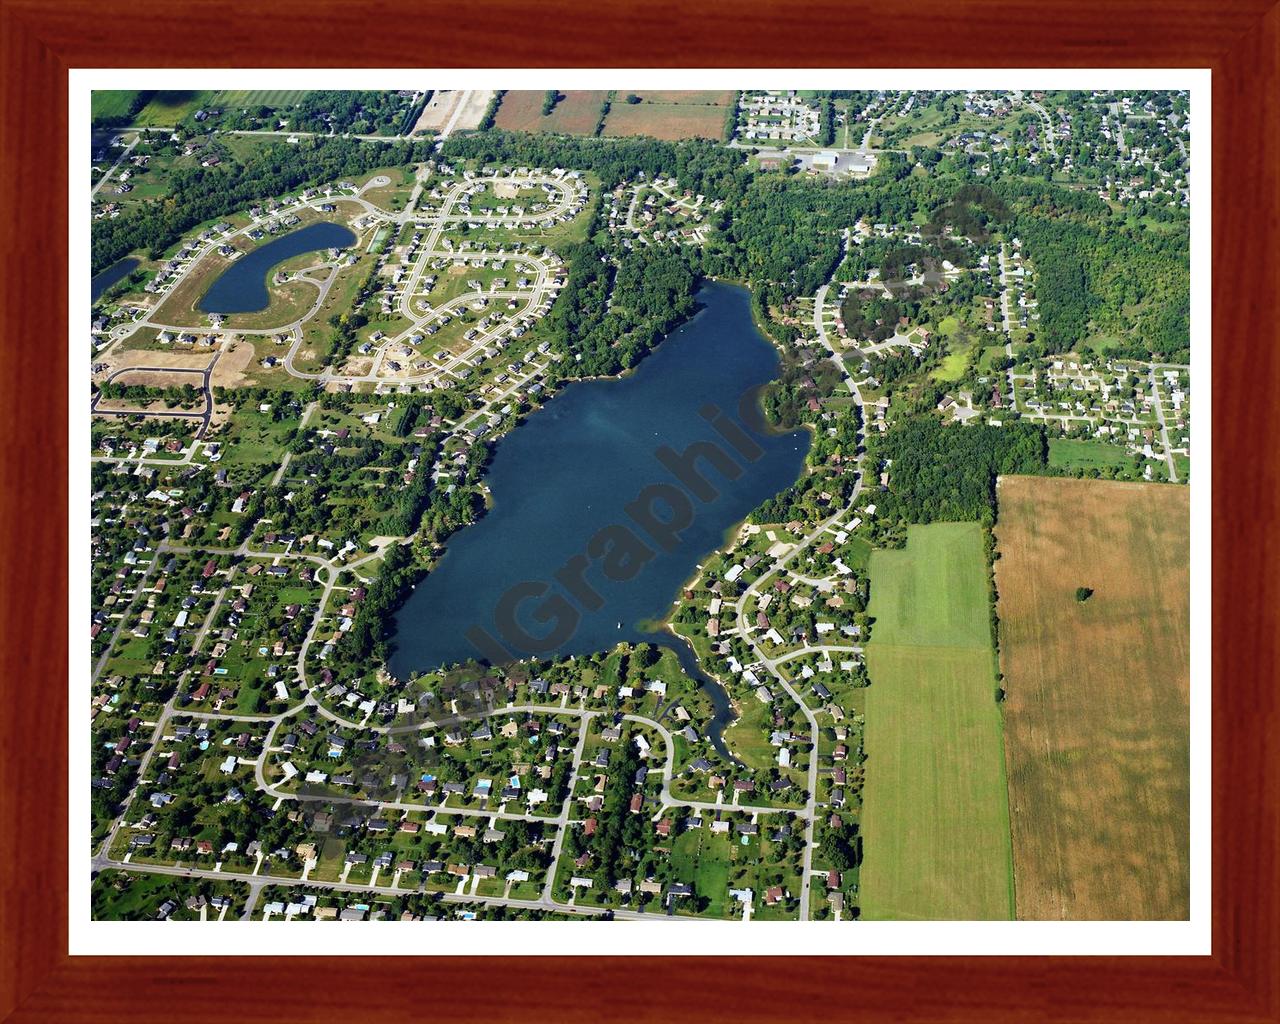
x=539 y=294
x=288 y=455
x=1164 y=429
x=1008 y=324
x=1050 y=142
x=203 y=416
x=203 y=631
x=570 y=193
x=562 y=821
x=744 y=629
x=112 y=169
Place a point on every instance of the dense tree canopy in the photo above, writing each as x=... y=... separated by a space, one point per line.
x=947 y=473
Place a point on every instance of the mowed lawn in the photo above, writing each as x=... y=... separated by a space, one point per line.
x=1097 y=714
x=274 y=98
x=935 y=814
x=1069 y=453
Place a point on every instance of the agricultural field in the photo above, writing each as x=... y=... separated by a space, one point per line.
x=577 y=113
x=691 y=97
x=665 y=120
x=1096 y=717
x=111 y=102
x=935 y=814
x=170 y=108
x=276 y=99
x=671 y=115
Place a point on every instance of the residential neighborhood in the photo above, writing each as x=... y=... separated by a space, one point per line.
x=501 y=511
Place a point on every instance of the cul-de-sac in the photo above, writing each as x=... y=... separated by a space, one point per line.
x=607 y=505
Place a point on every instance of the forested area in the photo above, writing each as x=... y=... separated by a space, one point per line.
x=619 y=830
x=780 y=235
x=200 y=194
x=972 y=211
x=608 y=319
x=1112 y=280
x=699 y=164
x=373 y=622
x=806 y=375
x=872 y=319
x=944 y=473
x=1098 y=274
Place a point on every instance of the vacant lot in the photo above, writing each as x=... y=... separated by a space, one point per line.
x=935 y=813
x=1096 y=719
x=576 y=114
x=1067 y=453
x=665 y=120
x=444 y=104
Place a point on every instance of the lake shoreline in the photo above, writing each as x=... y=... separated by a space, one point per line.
x=592 y=463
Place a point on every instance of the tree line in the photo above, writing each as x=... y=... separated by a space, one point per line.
x=942 y=473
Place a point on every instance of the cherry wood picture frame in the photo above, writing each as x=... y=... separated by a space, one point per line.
x=39 y=41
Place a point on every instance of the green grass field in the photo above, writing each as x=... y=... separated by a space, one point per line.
x=170 y=108
x=988 y=357
x=1065 y=453
x=274 y=98
x=933 y=592
x=935 y=812
x=748 y=736
x=952 y=367
x=111 y=102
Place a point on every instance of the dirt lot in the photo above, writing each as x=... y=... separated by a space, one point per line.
x=227 y=372
x=440 y=109
x=157 y=379
x=476 y=103
x=435 y=115
x=235 y=359
x=118 y=359
x=1097 y=712
x=576 y=114
x=158 y=406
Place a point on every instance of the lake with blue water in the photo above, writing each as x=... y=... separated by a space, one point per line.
x=114 y=273
x=585 y=482
x=242 y=287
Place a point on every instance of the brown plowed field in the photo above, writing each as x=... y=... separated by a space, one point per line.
x=1097 y=707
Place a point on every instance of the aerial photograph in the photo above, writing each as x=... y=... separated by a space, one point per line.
x=733 y=505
